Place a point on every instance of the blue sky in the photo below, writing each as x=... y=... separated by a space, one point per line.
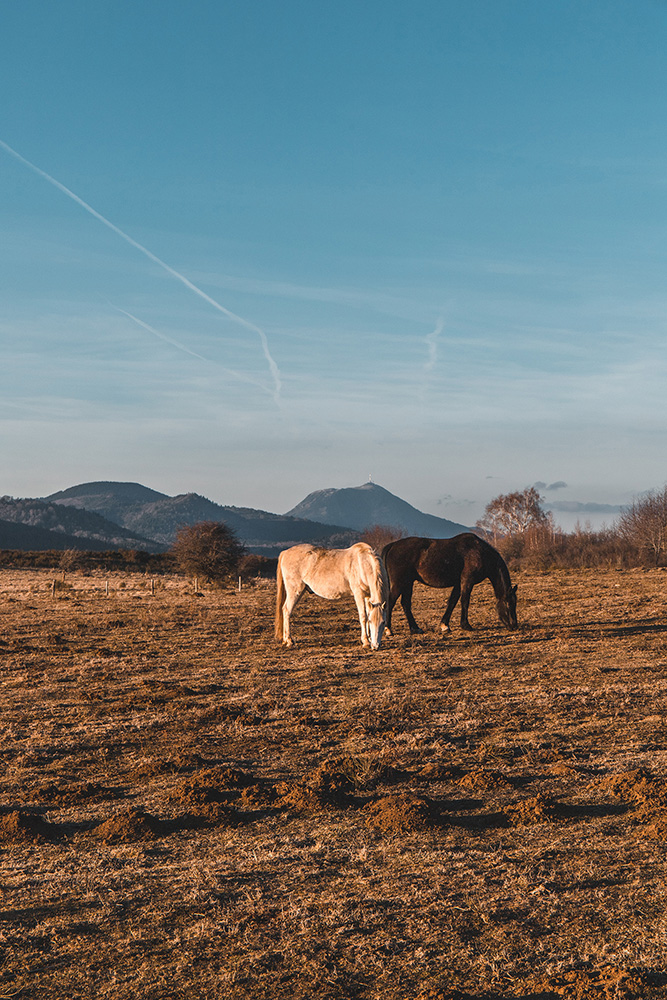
x=276 y=247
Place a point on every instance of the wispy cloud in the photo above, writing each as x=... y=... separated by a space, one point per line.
x=182 y=347
x=432 y=344
x=273 y=367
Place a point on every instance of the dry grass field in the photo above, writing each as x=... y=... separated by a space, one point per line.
x=189 y=811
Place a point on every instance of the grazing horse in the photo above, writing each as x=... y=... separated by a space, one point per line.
x=332 y=573
x=459 y=563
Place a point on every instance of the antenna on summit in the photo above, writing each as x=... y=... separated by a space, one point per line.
x=370 y=478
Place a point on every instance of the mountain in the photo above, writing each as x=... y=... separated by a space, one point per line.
x=158 y=517
x=359 y=507
x=89 y=530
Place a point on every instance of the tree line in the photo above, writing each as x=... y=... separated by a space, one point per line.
x=525 y=533
x=515 y=523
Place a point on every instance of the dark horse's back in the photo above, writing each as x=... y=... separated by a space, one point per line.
x=460 y=562
x=438 y=562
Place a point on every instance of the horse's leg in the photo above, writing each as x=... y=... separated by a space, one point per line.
x=291 y=601
x=360 y=601
x=406 y=602
x=394 y=592
x=466 y=590
x=451 y=604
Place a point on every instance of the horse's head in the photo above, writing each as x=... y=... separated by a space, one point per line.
x=507 y=608
x=376 y=621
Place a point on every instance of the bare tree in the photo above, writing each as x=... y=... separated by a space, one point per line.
x=379 y=535
x=511 y=514
x=644 y=523
x=209 y=550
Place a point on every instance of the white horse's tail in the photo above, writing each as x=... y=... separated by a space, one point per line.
x=281 y=593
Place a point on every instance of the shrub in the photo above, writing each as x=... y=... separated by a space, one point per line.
x=379 y=535
x=209 y=550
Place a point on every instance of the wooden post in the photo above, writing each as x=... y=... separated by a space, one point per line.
x=106 y=587
x=196 y=584
x=239 y=585
x=53 y=588
x=153 y=587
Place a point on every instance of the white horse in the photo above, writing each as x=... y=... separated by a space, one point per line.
x=332 y=573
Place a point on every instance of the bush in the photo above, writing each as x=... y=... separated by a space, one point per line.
x=252 y=565
x=379 y=535
x=644 y=523
x=209 y=550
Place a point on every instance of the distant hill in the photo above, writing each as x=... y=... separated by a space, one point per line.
x=110 y=500
x=92 y=531
x=359 y=507
x=30 y=538
x=157 y=516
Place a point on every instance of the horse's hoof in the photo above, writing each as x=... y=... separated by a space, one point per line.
x=288 y=643
x=416 y=631
x=445 y=629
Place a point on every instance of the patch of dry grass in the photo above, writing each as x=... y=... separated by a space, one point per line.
x=187 y=810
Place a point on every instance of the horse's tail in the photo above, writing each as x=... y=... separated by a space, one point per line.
x=280 y=600
x=384 y=578
x=385 y=551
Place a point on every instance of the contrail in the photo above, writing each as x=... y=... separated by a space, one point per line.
x=432 y=344
x=182 y=347
x=273 y=367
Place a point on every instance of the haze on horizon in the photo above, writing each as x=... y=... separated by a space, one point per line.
x=257 y=251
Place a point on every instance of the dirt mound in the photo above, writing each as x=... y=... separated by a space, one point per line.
x=608 y=983
x=72 y=793
x=204 y=796
x=334 y=778
x=484 y=781
x=538 y=809
x=19 y=826
x=255 y=798
x=439 y=772
x=639 y=785
x=332 y=783
x=209 y=785
x=561 y=769
x=656 y=820
x=157 y=765
x=400 y=814
x=127 y=826
x=297 y=798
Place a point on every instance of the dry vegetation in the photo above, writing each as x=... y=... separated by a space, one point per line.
x=188 y=811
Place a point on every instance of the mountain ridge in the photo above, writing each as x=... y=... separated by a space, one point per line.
x=359 y=507
x=129 y=515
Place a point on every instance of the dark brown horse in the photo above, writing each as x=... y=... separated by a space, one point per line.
x=459 y=563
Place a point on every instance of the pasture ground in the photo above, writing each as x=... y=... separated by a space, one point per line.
x=189 y=811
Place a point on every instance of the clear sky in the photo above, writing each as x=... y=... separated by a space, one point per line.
x=270 y=248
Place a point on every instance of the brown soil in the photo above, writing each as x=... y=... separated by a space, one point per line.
x=189 y=811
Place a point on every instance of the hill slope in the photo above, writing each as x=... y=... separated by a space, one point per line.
x=111 y=500
x=31 y=538
x=359 y=507
x=82 y=525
